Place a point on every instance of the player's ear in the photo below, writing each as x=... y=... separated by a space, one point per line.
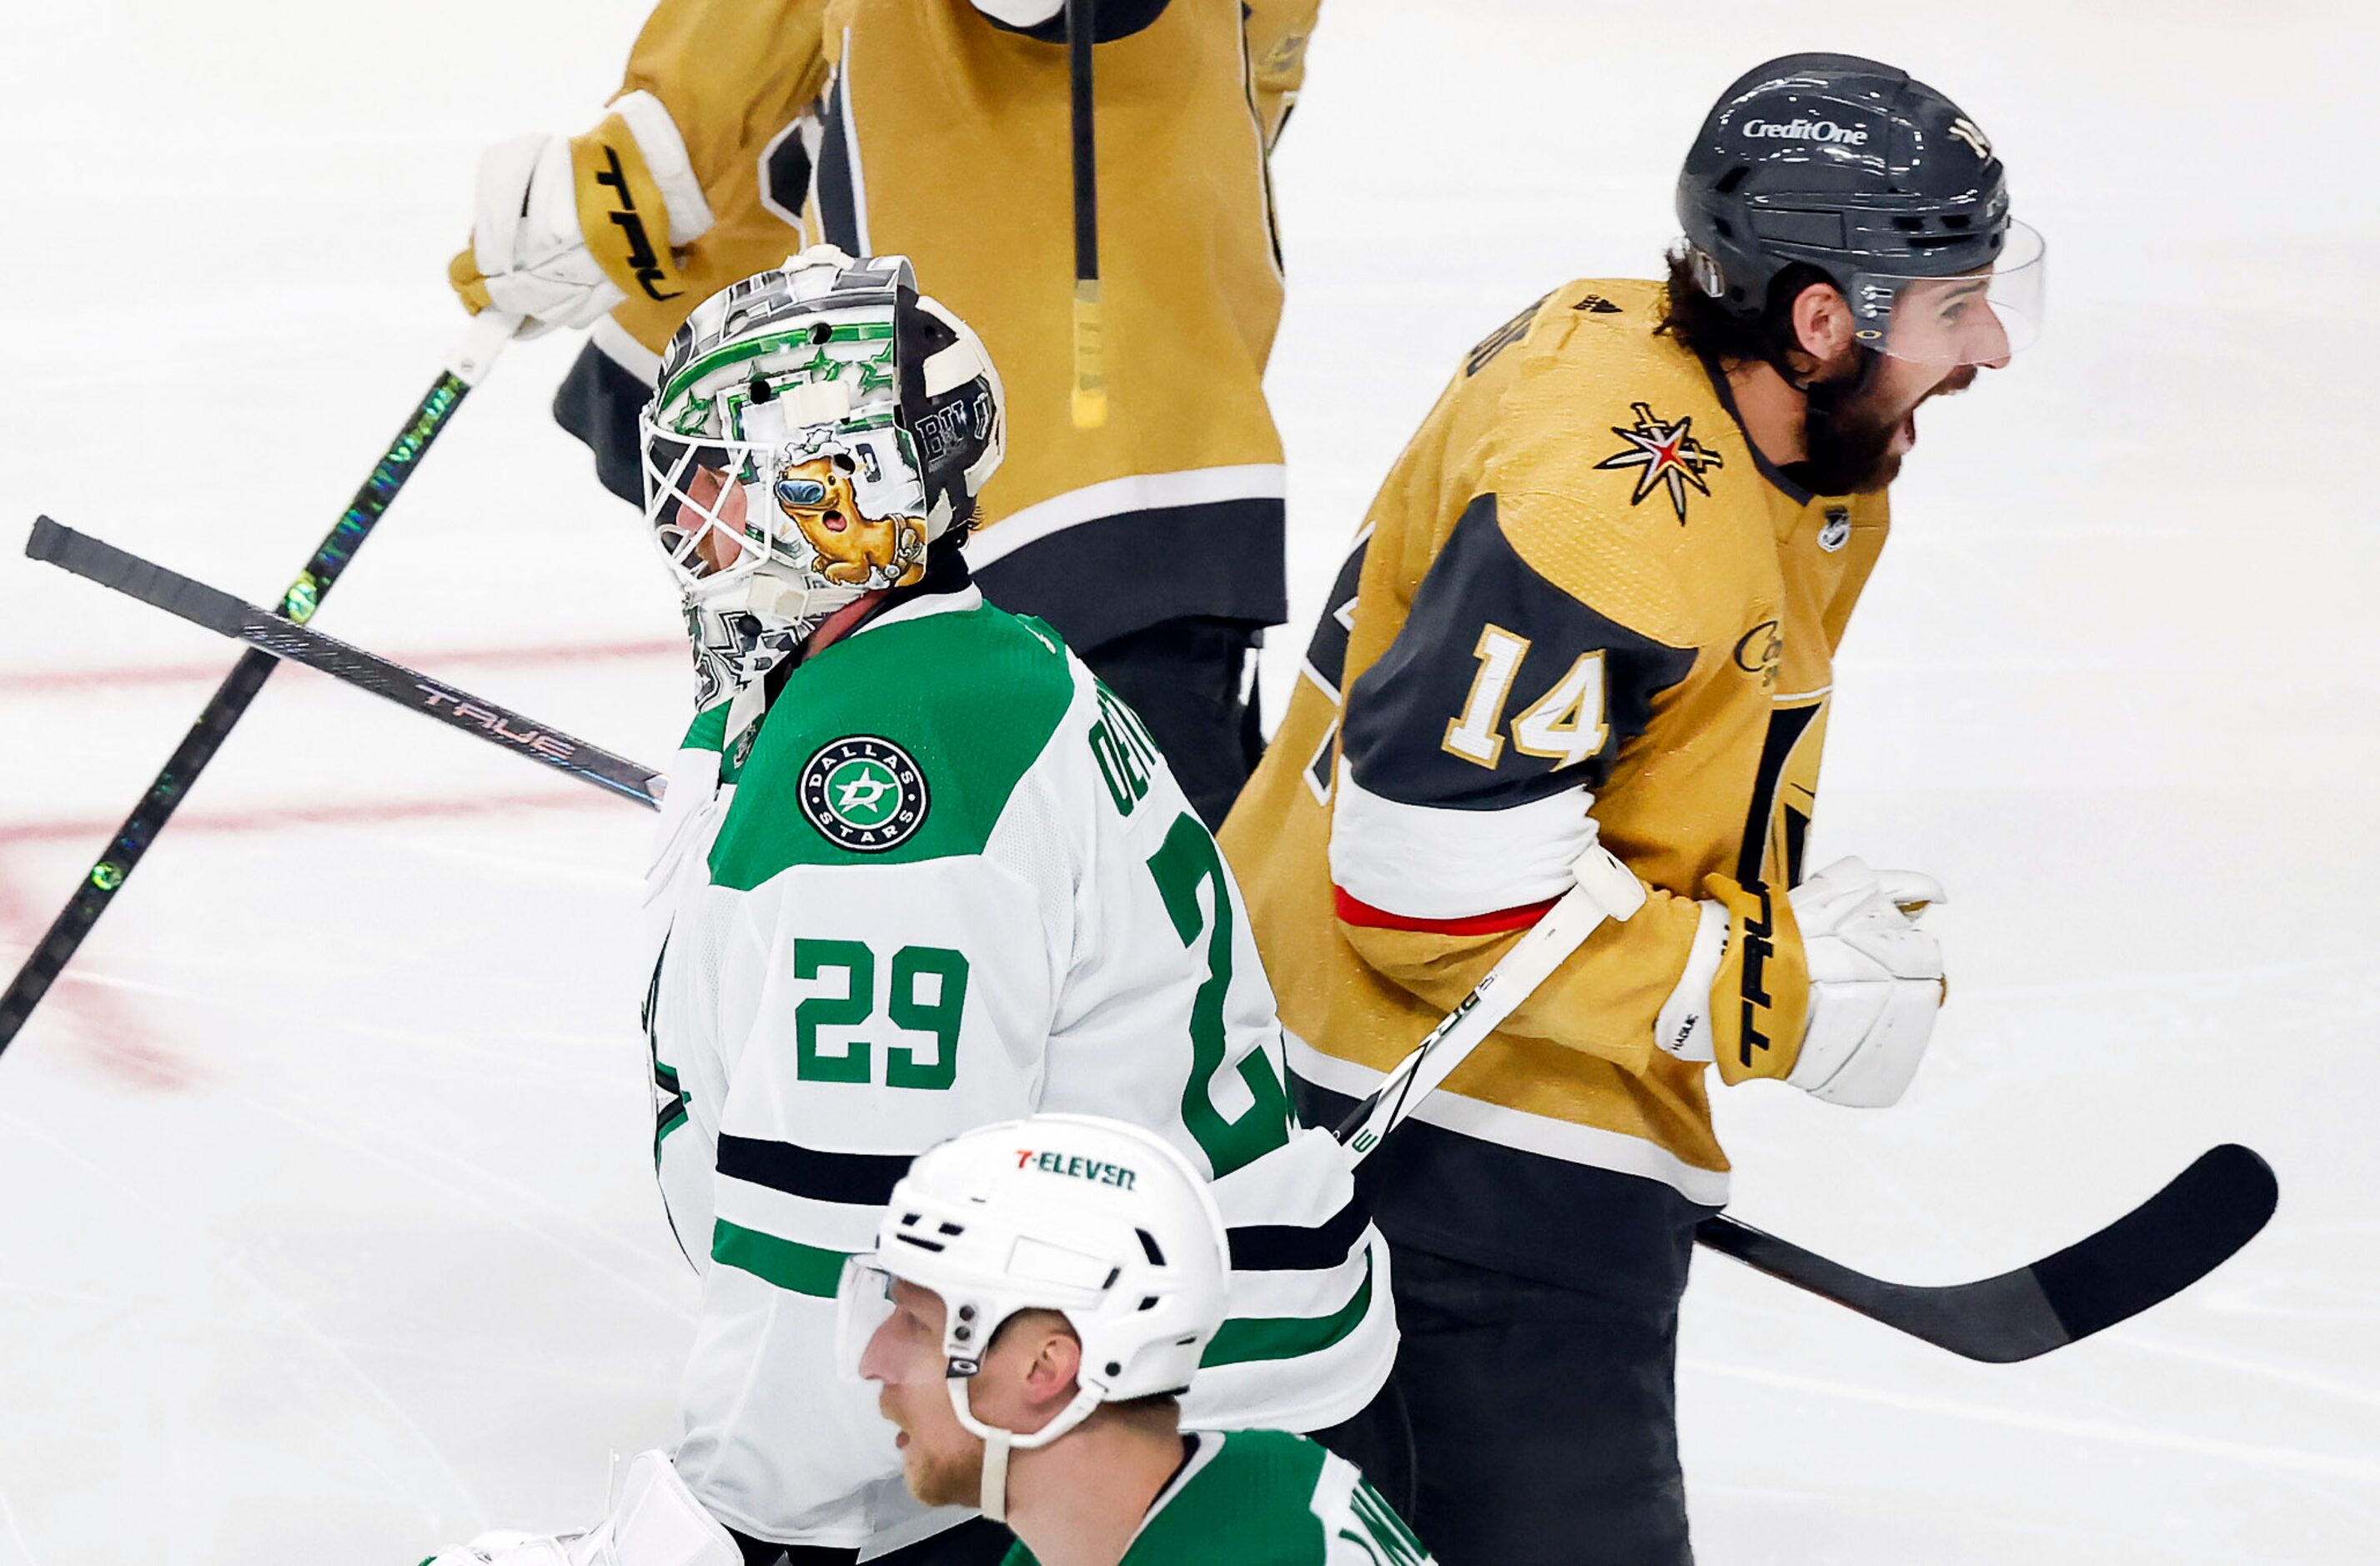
x=1049 y=1379
x=1822 y=324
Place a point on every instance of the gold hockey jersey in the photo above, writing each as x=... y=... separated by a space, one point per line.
x=1581 y=592
x=923 y=128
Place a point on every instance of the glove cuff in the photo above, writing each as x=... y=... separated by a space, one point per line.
x=637 y=197
x=1760 y=997
x=1683 y=1027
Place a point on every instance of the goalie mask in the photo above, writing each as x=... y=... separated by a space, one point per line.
x=816 y=431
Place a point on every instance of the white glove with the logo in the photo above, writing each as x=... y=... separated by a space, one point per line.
x=1872 y=983
x=1876 y=982
x=564 y=228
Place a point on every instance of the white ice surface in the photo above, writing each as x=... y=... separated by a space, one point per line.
x=326 y=1226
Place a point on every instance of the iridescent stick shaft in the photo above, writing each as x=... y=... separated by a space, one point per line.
x=486 y=338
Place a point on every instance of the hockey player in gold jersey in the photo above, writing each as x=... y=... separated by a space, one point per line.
x=939 y=129
x=1598 y=596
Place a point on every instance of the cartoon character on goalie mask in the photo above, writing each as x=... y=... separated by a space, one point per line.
x=849 y=546
x=816 y=433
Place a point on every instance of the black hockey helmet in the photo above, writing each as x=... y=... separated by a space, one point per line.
x=1870 y=175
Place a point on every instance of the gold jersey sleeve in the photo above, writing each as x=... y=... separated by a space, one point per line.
x=1569 y=615
x=924 y=128
x=1277 y=32
x=734 y=75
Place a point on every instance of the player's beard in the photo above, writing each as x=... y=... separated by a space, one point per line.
x=1847 y=436
x=1849 y=426
x=951 y=1478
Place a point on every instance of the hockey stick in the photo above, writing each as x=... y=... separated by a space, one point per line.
x=2153 y=1252
x=1089 y=405
x=464 y=368
x=2159 y=1248
x=1602 y=889
x=219 y=611
x=2184 y=1231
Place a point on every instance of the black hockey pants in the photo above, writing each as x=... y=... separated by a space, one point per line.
x=1185 y=677
x=1541 y=1421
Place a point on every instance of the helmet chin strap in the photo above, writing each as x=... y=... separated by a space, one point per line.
x=999 y=1443
x=994 y=1500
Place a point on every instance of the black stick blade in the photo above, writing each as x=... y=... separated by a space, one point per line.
x=2169 y=1242
x=96 y=560
x=2194 y=1225
x=43 y=542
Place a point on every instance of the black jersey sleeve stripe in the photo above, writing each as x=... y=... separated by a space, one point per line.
x=1326 y=653
x=838 y=201
x=860 y=1178
x=1397 y=713
x=1111 y=575
x=1289 y=1247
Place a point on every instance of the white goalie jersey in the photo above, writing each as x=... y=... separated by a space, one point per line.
x=946 y=880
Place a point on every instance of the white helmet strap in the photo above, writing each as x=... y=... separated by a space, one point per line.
x=997 y=1443
x=995 y=1476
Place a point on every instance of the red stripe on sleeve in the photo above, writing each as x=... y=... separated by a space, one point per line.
x=1355 y=911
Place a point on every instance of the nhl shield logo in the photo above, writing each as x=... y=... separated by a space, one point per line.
x=1838 y=530
x=864 y=794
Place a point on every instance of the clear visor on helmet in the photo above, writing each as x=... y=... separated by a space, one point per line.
x=863 y=1303
x=1980 y=317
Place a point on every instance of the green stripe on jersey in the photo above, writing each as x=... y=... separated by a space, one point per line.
x=1385 y=1537
x=972 y=695
x=803 y=1269
x=709 y=731
x=1243 y=1338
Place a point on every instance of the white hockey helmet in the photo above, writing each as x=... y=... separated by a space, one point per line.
x=814 y=430
x=1099 y=1220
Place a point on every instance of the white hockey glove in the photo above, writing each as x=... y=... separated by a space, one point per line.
x=566 y=227
x=1835 y=992
x=658 y=1523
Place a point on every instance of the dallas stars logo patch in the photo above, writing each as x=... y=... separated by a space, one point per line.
x=1669 y=454
x=864 y=794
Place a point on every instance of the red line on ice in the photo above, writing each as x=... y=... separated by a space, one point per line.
x=97 y=831
x=126 y=1044
x=49 y=682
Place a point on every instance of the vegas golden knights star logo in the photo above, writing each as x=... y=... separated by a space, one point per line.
x=1666 y=454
